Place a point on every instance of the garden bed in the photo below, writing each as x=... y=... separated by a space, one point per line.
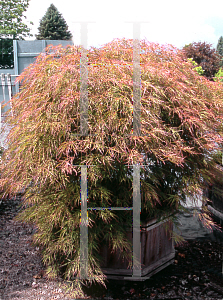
x=195 y=274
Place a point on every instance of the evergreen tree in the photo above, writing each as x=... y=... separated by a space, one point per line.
x=53 y=26
x=220 y=49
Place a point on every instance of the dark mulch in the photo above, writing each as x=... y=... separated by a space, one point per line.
x=195 y=274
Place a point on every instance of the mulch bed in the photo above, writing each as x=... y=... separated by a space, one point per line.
x=195 y=274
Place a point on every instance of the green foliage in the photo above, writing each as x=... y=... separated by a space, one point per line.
x=53 y=26
x=11 y=14
x=220 y=46
x=220 y=49
x=181 y=117
x=6 y=54
x=199 y=69
x=11 y=28
x=205 y=56
x=219 y=75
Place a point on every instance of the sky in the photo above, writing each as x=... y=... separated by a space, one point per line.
x=168 y=21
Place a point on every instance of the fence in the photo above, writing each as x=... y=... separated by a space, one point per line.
x=8 y=89
x=25 y=53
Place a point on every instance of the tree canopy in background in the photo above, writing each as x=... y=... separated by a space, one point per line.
x=198 y=69
x=11 y=24
x=220 y=49
x=11 y=28
x=219 y=75
x=205 y=56
x=6 y=54
x=53 y=26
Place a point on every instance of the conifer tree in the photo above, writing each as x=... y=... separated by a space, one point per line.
x=220 y=49
x=53 y=26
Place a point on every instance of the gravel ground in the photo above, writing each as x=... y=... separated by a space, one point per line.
x=195 y=274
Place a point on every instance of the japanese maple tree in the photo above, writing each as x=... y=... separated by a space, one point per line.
x=181 y=127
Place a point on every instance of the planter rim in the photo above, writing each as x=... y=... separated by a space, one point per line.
x=153 y=222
